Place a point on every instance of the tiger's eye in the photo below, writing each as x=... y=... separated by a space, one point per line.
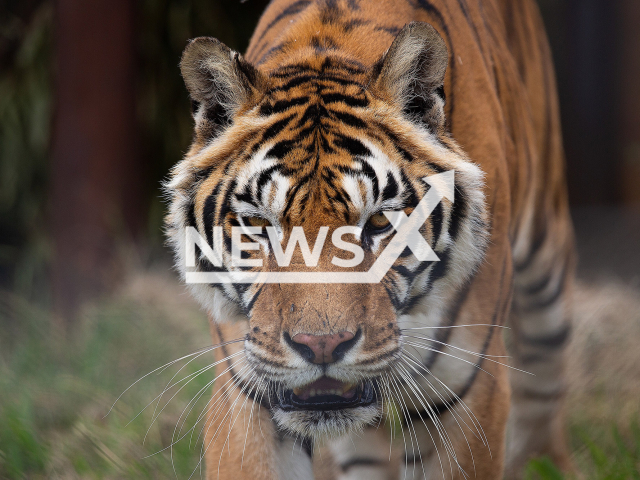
x=257 y=222
x=379 y=221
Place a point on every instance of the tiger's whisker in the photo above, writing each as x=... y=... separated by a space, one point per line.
x=193 y=377
x=448 y=355
x=186 y=433
x=193 y=402
x=406 y=415
x=457 y=326
x=167 y=365
x=483 y=355
x=473 y=418
x=213 y=418
x=427 y=404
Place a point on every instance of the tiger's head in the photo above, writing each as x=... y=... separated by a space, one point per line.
x=313 y=145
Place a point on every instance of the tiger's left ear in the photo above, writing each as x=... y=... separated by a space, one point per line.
x=220 y=82
x=412 y=74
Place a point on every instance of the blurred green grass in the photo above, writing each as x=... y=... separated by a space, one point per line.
x=55 y=392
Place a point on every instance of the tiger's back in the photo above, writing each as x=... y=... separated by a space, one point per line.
x=501 y=102
x=318 y=62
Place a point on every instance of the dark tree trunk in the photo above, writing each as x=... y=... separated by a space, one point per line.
x=630 y=104
x=590 y=115
x=94 y=204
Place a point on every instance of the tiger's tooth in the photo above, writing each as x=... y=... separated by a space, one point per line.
x=297 y=391
x=312 y=392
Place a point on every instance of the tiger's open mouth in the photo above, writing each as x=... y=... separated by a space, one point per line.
x=327 y=394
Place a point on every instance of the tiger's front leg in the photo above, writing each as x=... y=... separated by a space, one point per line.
x=448 y=444
x=369 y=455
x=241 y=441
x=467 y=439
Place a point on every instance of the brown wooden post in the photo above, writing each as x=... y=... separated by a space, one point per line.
x=630 y=101
x=94 y=203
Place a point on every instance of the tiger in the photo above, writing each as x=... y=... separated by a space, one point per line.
x=348 y=114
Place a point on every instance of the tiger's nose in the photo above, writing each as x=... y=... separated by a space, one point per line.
x=323 y=348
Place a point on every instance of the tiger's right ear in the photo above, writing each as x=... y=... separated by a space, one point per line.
x=220 y=82
x=412 y=74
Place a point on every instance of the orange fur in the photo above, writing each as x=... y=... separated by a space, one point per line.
x=500 y=113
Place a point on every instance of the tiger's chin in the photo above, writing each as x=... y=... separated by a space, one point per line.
x=326 y=408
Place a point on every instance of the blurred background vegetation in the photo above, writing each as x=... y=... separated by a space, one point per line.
x=81 y=317
x=595 y=45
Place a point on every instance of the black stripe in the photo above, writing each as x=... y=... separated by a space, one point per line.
x=414 y=299
x=314 y=113
x=412 y=198
x=351 y=145
x=209 y=212
x=323 y=44
x=529 y=394
x=354 y=23
x=282 y=105
x=361 y=462
x=295 y=7
x=472 y=25
x=307 y=446
x=391 y=188
x=246 y=197
x=553 y=340
x=343 y=64
x=291 y=70
x=549 y=300
x=265 y=176
x=494 y=321
x=353 y=5
x=534 y=288
x=459 y=211
x=538 y=242
x=273 y=50
x=330 y=12
x=324 y=143
x=190 y=213
x=202 y=174
x=349 y=119
x=391 y=292
x=453 y=312
x=280 y=149
x=225 y=208
x=276 y=128
x=249 y=306
x=294 y=82
x=395 y=140
x=303 y=181
x=440 y=269
x=371 y=174
x=236 y=382
x=436 y=223
x=346 y=99
x=390 y=30
x=412 y=459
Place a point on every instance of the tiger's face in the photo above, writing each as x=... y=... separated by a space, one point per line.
x=315 y=146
